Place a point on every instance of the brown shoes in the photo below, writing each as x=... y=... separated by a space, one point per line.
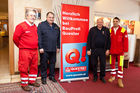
x=35 y=84
x=120 y=83
x=26 y=88
x=111 y=79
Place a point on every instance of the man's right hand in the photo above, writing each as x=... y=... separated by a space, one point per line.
x=41 y=50
x=89 y=52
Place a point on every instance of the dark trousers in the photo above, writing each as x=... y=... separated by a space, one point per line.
x=44 y=58
x=95 y=54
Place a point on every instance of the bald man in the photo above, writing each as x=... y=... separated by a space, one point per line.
x=98 y=45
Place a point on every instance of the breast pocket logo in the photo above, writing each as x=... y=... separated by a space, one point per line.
x=75 y=59
x=27 y=31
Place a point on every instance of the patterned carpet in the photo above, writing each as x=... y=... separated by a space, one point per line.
x=50 y=87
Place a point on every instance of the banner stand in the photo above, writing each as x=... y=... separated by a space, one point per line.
x=74 y=32
x=75 y=79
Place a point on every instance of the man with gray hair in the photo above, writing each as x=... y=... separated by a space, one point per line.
x=98 y=45
x=26 y=39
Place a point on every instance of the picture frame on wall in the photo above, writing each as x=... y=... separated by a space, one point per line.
x=37 y=11
x=129 y=25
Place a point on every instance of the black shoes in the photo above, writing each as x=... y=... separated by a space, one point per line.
x=52 y=79
x=43 y=80
x=95 y=79
x=103 y=80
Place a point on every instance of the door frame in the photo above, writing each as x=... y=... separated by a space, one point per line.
x=11 y=31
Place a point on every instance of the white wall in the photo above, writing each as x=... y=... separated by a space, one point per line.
x=125 y=9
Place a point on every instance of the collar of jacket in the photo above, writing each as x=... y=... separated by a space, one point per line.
x=29 y=23
x=118 y=26
x=117 y=29
x=49 y=24
x=103 y=27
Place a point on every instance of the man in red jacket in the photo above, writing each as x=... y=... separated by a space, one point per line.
x=119 y=45
x=26 y=39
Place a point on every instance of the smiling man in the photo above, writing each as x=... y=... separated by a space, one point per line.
x=119 y=45
x=49 y=45
x=26 y=39
x=98 y=45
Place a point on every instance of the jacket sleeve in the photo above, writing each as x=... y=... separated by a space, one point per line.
x=58 y=39
x=108 y=42
x=125 y=41
x=89 y=40
x=39 y=36
x=17 y=34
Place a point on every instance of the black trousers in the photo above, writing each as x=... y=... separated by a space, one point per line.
x=44 y=58
x=95 y=54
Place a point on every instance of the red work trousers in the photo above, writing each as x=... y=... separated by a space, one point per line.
x=120 y=59
x=28 y=61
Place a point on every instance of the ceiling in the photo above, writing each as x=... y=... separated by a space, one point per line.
x=137 y=0
x=4 y=6
x=102 y=0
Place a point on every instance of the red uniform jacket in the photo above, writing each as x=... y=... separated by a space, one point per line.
x=119 y=41
x=25 y=36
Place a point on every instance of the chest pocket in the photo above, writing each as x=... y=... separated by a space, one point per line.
x=56 y=31
x=27 y=32
x=120 y=38
x=45 y=30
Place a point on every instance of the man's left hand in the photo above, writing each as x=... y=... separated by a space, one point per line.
x=58 y=50
x=125 y=54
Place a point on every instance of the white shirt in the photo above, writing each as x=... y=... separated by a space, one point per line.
x=29 y=23
x=115 y=30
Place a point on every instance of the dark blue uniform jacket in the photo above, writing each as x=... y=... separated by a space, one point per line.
x=48 y=36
